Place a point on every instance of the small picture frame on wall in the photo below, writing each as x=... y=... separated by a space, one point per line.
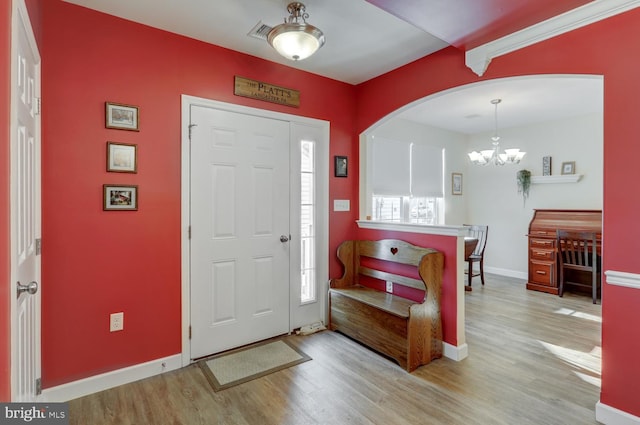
x=569 y=167
x=456 y=183
x=546 y=165
x=120 y=197
x=340 y=163
x=122 y=117
x=122 y=158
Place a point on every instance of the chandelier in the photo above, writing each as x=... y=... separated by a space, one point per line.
x=296 y=39
x=493 y=156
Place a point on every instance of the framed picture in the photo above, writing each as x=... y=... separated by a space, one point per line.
x=122 y=157
x=122 y=117
x=546 y=165
x=456 y=183
x=120 y=197
x=340 y=166
x=569 y=167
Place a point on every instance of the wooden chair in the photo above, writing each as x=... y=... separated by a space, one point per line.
x=578 y=255
x=477 y=256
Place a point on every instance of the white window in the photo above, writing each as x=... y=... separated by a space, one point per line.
x=406 y=181
x=307 y=222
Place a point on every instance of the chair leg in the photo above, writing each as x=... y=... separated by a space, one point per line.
x=594 y=286
x=482 y=270
x=470 y=272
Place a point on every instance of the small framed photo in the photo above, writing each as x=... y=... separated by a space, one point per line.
x=122 y=157
x=122 y=117
x=456 y=183
x=546 y=165
x=120 y=197
x=569 y=167
x=340 y=166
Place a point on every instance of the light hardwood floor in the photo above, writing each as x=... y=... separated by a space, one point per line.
x=534 y=358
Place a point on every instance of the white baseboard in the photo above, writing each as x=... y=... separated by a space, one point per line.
x=507 y=272
x=611 y=416
x=93 y=384
x=456 y=353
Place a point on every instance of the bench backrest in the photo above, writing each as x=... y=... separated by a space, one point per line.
x=428 y=261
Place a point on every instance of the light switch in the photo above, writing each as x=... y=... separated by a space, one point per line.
x=341 y=205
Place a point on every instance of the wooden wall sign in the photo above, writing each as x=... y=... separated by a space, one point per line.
x=267 y=92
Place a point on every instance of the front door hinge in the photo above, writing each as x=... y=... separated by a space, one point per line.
x=37 y=105
x=190 y=127
x=189 y=331
x=189 y=231
x=38 y=386
x=38 y=246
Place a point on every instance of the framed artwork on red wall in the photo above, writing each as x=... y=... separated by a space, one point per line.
x=122 y=117
x=120 y=197
x=340 y=166
x=122 y=157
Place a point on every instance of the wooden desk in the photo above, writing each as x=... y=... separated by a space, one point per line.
x=543 y=253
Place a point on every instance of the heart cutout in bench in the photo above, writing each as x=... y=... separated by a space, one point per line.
x=394 y=250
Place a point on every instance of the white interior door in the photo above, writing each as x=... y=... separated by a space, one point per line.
x=25 y=208
x=239 y=229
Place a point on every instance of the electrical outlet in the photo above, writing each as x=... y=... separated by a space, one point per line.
x=116 y=322
x=389 y=287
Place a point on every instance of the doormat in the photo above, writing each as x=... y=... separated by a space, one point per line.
x=236 y=367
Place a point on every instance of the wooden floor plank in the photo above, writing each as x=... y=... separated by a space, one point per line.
x=534 y=358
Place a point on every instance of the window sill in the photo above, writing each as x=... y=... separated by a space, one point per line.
x=564 y=178
x=427 y=229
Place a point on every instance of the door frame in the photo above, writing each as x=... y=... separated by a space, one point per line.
x=20 y=18
x=297 y=311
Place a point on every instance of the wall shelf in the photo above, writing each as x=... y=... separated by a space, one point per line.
x=564 y=178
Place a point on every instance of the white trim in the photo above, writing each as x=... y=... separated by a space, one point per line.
x=611 y=416
x=112 y=379
x=507 y=272
x=458 y=353
x=563 y=178
x=322 y=196
x=478 y=59
x=628 y=280
x=413 y=228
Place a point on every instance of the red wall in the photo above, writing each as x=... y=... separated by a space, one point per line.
x=603 y=49
x=95 y=262
x=5 y=100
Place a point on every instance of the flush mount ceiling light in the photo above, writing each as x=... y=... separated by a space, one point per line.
x=493 y=156
x=296 y=39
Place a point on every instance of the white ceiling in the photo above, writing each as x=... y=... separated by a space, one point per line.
x=362 y=42
x=525 y=100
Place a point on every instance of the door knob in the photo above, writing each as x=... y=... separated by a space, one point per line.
x=284 y=239
x=31 y=288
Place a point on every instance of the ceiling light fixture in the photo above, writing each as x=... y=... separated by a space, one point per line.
x=493 y=156
x=296 y=39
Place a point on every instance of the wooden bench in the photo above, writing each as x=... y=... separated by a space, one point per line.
x=409 y=332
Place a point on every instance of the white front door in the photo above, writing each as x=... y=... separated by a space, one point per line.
x=239 y=229
x=25 y=208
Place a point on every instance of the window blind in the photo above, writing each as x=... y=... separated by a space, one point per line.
x=426 y=171
x=402 y=168
x=391 y=173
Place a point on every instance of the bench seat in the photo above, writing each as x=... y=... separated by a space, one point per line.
x=407 y=331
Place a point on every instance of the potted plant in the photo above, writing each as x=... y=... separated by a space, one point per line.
x=523 y=178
